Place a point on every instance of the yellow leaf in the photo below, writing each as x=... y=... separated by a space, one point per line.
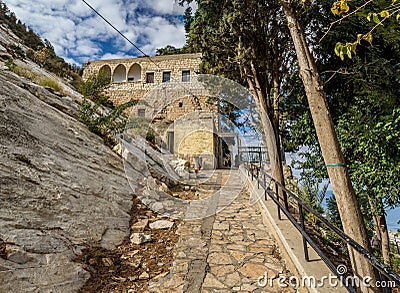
x=384 y=13
x=335 y=8
x=398 y=16
x=375 y=18
x=348 y=50
x=341 y=55
x=354 y=47
x=368 y=38
x=344 y=7
x=338 y=48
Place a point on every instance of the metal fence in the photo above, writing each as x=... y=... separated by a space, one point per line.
x=263 y=181
x=253 y=154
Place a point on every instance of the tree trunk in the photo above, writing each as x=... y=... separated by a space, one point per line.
x=279 y=176
x=382 y=233
x=269 y=121
x=348 y=206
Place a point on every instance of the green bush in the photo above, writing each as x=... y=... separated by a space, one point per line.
x=93 y=89
x=10 y=64
x=23 y=158
x=51 y=83
x=106 y=125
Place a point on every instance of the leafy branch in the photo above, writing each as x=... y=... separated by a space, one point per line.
x=349 y=48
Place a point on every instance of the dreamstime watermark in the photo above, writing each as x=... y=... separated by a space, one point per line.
x=330 y=280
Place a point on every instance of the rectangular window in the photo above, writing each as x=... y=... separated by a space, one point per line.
x=166 y=76
x=141 y=112
x=185 y=75
x=150 y=77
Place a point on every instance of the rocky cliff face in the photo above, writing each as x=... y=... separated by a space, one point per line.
x=61 y=190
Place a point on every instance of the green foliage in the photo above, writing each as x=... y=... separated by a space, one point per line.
x=33 y=76
x=17 y=50
x=333 y=212
x=151 y=137
x=41 y=52
x=374 y=17
x=395 y=263
x=23 y=158
x=170 y=50
x=104 y=122
x=10 y=65
x=188 y=19
x=363 y=97
x=93 y=89
x=245 y=41
x=51 y=83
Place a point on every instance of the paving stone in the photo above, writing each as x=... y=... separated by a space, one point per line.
x=233 y=279
x=219 y=258
x=220 y=271
x=211 y=281
x=239 y=255
x=231 y=250
x=253 y=271
x=264 y=249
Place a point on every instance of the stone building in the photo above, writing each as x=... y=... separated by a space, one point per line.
x=187 y=125
x=132 y=78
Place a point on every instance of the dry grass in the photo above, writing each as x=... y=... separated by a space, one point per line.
x=33 y=76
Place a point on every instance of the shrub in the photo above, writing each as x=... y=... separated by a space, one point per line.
x=10 y=64
x=23 y=158
x=51 y=83
x=105 y=124
x=94 y=87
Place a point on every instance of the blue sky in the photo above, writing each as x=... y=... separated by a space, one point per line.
x=78 y=35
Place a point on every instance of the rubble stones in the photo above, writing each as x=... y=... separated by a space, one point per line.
x=161 y=224
x=139 y=238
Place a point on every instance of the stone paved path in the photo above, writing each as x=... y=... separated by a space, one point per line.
x=226 y=252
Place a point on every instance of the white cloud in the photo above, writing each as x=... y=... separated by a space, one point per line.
x=78 y=34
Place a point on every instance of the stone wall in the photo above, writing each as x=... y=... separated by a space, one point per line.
x=131 y=87
x=187 y=112
x=195 y=135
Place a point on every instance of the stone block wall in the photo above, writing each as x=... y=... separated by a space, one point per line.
x=188 y=112
x=195 y=135
x=131 y=87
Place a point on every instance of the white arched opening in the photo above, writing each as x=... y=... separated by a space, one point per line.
x=135 y=73
x=119 y=74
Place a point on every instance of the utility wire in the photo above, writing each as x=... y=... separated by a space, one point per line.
x=130 y=42
x=119 y=32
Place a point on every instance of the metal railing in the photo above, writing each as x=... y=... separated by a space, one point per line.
x=253 y=154
x=261 y=177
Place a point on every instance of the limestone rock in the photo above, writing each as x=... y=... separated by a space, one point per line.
x=140 y=225
x=61 y=189
x=139 y=238
x=144 y=276
x=161 y=224
x=181 y=167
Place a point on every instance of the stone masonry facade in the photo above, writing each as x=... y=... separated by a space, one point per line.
x=132 y=78
x=186 y=126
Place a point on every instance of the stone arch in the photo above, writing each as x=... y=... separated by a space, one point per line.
x=135 y=73
x=105 y=70
x=119 y=73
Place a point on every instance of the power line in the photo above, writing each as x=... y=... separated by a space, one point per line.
x=130 y=42
x=119 y=32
